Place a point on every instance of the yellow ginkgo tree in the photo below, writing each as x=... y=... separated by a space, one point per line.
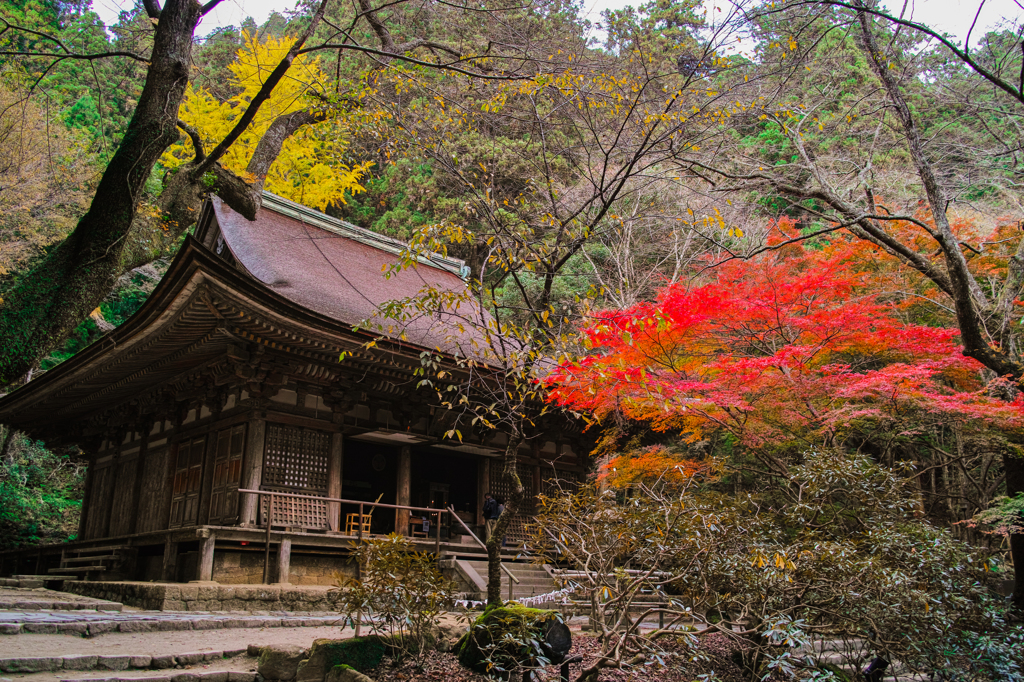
x=311 y=168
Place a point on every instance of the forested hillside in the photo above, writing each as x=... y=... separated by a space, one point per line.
x=633 y=182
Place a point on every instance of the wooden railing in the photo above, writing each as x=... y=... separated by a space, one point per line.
x=363 y=505
x=271 y=496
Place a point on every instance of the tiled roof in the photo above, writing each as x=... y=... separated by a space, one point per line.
x=341 y=271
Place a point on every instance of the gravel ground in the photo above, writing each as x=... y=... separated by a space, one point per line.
x=677 y=668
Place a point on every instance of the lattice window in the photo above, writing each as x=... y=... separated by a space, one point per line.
x=293 y=513
x=295 y=460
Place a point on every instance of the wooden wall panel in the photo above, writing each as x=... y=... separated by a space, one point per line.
x=96 y=526
x=122 y=492
x=153 y=503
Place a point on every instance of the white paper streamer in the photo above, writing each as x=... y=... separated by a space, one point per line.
x=525 y=601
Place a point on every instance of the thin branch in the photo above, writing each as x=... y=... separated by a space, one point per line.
x=74 y=55
x=197 y=141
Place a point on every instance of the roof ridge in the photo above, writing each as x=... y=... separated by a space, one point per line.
x=348 y=230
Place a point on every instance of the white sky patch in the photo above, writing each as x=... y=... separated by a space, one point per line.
x=952 y=16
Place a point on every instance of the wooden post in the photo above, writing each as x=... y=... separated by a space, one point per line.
x=404 y=489
x=252 y=470
x=209 y=461
x=266 y=540
x=483 y=485
x=284 y=559
x=437 y=542
x=169 y=572
x=88 y=498
x=140 y=471
x=110 y=486
x=206 y=542
x=335 y=466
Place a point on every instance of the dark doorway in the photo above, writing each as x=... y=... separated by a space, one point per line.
x=370 y=470
x=441 y=478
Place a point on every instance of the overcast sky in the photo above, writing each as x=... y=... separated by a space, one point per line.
x=953 y=16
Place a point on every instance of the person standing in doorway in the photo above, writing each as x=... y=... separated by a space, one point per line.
x=491 y=514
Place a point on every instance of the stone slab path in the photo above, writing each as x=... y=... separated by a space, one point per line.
x=92 y=623
x=40 y=599
x=66 y=638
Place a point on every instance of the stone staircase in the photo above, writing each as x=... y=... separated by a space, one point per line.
x=534 y=579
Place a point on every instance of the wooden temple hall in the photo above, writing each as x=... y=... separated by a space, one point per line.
x=230 y=379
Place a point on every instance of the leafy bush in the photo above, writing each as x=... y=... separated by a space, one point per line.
x=402 y=590
x=40 y=492
x=837 y=551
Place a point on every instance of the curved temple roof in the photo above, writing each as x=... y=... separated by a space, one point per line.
x=339 y=270
x=292 y=277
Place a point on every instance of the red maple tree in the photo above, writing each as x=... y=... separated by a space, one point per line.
x=795 y=349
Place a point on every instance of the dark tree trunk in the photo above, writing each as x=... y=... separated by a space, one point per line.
x=509 y=475
x=48 y=302
x=1013 y=465
x=964 y=291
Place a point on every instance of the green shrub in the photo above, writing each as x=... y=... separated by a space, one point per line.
x=40 y=492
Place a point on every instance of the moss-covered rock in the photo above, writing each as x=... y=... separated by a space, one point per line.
x=361 y=653
x=507 y=637
x=345 y=673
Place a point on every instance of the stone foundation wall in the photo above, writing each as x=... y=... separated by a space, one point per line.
x=246 y=568
x=176 y=597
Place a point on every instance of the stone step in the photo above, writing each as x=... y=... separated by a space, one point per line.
x=113 y=663
x=91 y=624
x=34 y=605
x=177 y=676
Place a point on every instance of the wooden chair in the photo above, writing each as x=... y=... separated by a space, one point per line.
x=353 y=521
x=423 y=524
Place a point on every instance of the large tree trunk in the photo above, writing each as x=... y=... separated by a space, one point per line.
x=511 y=476
x=965 y=292
x=47 y=303
x=1013 y=465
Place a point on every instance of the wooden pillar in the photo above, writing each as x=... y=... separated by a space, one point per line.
x=335 y=467
x=169 y=573
x=140 y=471
x=207 y=541
x=110 y=488
x=404 y=490
x=483 y=485
x=252 y=469
x=284 y=560
x=88 y=499
x=209 y=462
x=168 y=489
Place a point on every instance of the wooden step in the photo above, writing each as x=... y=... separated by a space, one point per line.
x=105 y=548
x=78 y=569
x=78 y=560
x=85 y=550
